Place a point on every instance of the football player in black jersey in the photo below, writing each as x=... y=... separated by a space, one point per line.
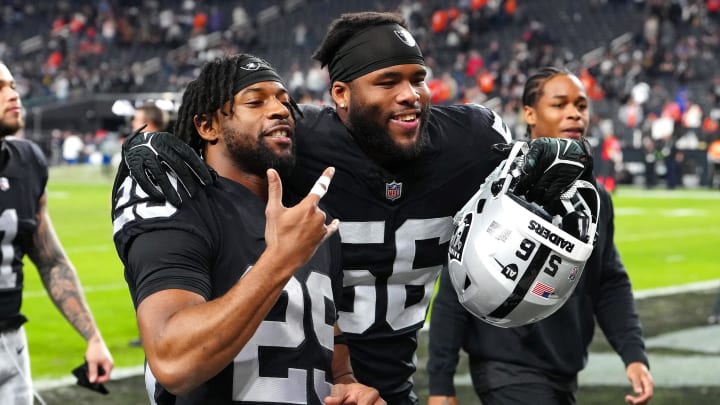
x=26 y=228
x=235 y=293
x=539 y=363
x=403 y=169
x=150 y=118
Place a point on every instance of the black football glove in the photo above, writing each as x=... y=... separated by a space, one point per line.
x=549 y=169
x=150 y=155
x=81 y=372
x=120 y=175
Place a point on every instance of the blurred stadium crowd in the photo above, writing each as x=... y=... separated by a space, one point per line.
x=650 y=66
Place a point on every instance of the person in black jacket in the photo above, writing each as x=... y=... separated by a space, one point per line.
x=715 y=315
x=539 y=363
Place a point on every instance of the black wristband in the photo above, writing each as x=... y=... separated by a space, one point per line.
x=340 y=340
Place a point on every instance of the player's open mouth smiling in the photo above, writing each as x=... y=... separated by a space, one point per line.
x=408 y=120
x=406 y=117
x=278 y=133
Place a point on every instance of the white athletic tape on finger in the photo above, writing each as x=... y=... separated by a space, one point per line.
x=321 y=186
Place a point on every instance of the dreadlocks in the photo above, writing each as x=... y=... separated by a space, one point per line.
x=217 y=84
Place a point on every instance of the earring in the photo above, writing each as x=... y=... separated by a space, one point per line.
x=342 y=105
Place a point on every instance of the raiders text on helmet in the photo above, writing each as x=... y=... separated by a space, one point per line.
x=511 y=263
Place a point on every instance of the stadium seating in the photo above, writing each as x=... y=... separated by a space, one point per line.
x=57 y=64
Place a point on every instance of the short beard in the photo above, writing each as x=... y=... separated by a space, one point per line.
x=7 y=130
x=256 y=160
x=375 y=140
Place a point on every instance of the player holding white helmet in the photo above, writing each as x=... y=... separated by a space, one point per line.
x=538 y=363
x=511 y=261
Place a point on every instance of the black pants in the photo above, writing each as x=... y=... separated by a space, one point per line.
x=527 y=394
x=716 y=306
x=403 y=399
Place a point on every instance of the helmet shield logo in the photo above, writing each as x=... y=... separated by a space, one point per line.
x=405 y=37
x=251 y=66
x=573 y=273
x=459 y=236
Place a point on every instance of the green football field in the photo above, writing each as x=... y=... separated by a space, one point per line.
x=666 y=238
x=79 y=204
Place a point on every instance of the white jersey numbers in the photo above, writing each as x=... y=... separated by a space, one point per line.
x=248 y=385
x=8 y=231
x=130 y=191
x=367 y=284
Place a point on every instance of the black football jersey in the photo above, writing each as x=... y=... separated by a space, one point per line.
x=394 y=227
x=205 y=247
x=23 y=177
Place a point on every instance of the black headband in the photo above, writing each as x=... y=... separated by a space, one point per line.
x=374 y=48
x=253 y=70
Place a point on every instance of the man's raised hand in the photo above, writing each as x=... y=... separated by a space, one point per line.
x=297 y=231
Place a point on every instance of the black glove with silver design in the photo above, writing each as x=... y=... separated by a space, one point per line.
x=549 y=168
x=150 y=156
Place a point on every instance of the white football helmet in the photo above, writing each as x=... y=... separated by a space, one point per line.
x=511 y=263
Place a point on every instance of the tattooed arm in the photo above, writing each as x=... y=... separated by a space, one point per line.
x=62 y=284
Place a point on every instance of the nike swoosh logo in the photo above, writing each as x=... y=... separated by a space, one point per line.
x=20 y=349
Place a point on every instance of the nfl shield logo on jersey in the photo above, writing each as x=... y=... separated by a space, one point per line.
x=393 y=190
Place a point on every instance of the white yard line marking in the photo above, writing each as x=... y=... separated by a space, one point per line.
x=678 y=289
x=644 y=236
x=117 y=374
x=677 y=212
x=670 y=195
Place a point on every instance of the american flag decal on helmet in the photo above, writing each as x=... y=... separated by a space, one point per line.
x=542 y=290
x=393 y=190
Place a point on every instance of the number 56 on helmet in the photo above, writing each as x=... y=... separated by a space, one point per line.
x=510 y=262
